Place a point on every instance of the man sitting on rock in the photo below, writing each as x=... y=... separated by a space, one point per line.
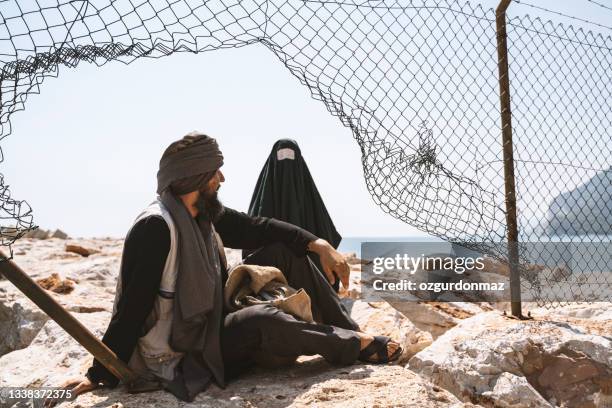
x=169 y=323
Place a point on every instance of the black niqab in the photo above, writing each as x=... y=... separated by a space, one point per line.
x=286 y=191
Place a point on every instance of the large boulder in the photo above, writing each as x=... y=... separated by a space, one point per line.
x=495 y=361
x=20 y=321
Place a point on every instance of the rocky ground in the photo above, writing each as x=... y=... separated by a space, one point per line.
x=455 y=354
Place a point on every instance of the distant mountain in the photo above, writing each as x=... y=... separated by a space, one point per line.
x=585 y=210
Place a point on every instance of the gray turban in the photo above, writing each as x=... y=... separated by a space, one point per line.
x=202 y=156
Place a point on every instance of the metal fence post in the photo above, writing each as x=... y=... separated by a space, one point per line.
x=510 y=188
x=65 y=320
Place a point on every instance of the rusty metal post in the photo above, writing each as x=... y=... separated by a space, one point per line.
x=510 y=188
x=65 y=320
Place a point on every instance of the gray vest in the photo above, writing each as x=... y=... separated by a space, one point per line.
x=153 y=356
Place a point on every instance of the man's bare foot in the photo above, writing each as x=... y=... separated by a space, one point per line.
x=367 y=339
x=76 y=386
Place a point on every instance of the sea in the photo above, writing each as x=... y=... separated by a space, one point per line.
x=353 y=244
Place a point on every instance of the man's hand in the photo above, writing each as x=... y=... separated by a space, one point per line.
x=78 y=386
x=331 y=261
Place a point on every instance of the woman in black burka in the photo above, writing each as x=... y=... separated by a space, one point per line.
x=286 y=191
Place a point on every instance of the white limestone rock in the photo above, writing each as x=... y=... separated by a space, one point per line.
x=512 y=391
x=20 y=322
x=565 y=365
x=593 y=317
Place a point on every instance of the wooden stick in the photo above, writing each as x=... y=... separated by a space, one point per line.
x=65 y=320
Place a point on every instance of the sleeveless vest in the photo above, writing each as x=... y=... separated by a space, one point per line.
x=153 y=356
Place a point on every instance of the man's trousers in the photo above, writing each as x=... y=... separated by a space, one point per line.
x=266 y=330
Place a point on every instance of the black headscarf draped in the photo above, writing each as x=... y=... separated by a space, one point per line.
x=286 y=191
x=198 y=302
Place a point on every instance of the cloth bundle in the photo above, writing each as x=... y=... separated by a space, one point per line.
x=249 y=285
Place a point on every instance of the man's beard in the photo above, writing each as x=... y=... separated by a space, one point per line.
x=209 y=206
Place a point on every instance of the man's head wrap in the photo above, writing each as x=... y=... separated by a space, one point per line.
x=200 y=158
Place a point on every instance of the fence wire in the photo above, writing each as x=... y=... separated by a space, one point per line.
x=417 y=84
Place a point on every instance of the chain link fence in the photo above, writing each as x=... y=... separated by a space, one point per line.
x=417 y=84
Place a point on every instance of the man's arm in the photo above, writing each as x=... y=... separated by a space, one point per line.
x=144 y=257
x=241 y=231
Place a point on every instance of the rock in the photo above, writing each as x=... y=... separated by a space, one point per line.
x=560 y=274
x=593 y=311
x=59 y=234
x=593 y=317
x=511 y=391
x=10 y=232
x=81 y=250
x=426 y=317
x=479 y=359
x=380 y=318
x=492 y=265
x=55 y=284
x=37 y=233
x=438 y=317
x=351 y=259
x=20 y=321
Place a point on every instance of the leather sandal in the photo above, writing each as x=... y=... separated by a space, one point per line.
x=378 y=346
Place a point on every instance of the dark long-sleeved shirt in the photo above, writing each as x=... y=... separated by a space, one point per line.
x=144 y=257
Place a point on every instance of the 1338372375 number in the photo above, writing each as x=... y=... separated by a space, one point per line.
x=20 y=394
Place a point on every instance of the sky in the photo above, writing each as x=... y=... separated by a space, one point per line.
x=84 y=153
